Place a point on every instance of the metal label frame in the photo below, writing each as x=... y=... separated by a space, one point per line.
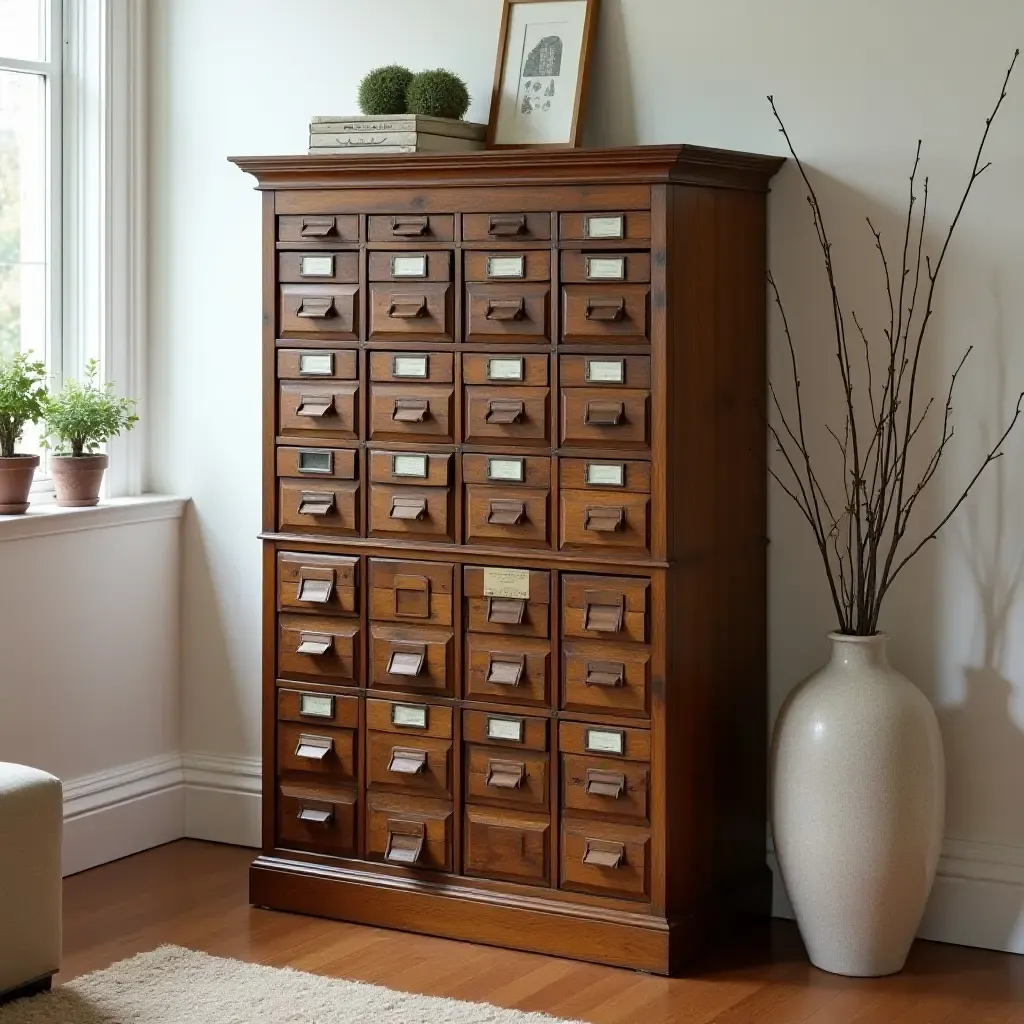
x=518 y=461
x=395 y=372
x=590 y=378
x=411 y=455
x=328 y=697
x=395 y=276
x=319 y=452
x=328 y=256
x=589 y=219
x=521 y=257
x=308 y=356
x=620 y=276
x=620 y=466
x=618 y=734
x=419 y=709
x=518 y=360
x=520 y=728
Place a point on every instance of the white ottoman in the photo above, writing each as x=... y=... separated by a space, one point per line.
x=31 y=820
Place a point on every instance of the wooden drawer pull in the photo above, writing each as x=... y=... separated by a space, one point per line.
x=602 y=613
x=315 y=815
x=606 y=310
x=604 y=414
x=314 y=748
x=315 y=406
x=505 y=410
x=316 y=503
x=405 y=841
x=505 y=309
x=506 y=669
x=412 y=597
x=408 y=508
x=506 y=512
x=317 y=227
x=507 y=610
x=314 y=643
x=316 y=589
x=409 y=227
x=407 y=307
x=601 y=854
x=605 y=673
x=316 y=307
x=604 y=519
x=407 y=662
x=407 y=761
x=410 y=410
x=506 y=225
x=604 y=783
x=505 y=774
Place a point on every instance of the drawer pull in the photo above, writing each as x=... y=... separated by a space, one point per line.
x=605 y=673
x=601 y=854
x=412 y=597
x=407 y=662
x=316 y=307
x=505 y=410
x=507 y=610
x=316 y=815
x=410 y=410
x=408 y=508
x=407 y=307
x=506 y=225
x=314 y=748
x=317 y=227
x=316 y=503
x=316 y=589
x=505 y=309
x=314 y=643
x=602 y=613
x=604 y=519
x=405 y=841
x=407 y=761
x=315 y=406
x=409 y=227
x=506 y=512
x=604 y=783
x=606 y=310
x=506 y=669
x=505 y=774
x=604 y=414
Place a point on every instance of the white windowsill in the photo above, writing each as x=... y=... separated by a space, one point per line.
x=44 y=519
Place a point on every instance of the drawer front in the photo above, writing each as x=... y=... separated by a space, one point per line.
x=317 y=364
x=528 y=265
x=513 y=471
x=409 y=718
x=409 y=831
x=318 y=818
x=318 y=267
x=507 y=312
x=507 y=845
x=317 y=750
x=322 y=649
x=605 y=519
x=510 y=670
x=605 y=787
x=512 y=370
x=510 y=227
x=507 y=415
x=318 y=709
x=412 y=592
x=509 y=601
x=605 y=607
x=412 y=660
x=609 y=741
x=605 y=418
x=411 y=227
x=324 y=506
x=411 y=310
x=605 y=371
x=411 y=764
x=505 y=730
x=402 y=511
x=420 y=469
x=411 y=266
x=316 y=229
x=412 y=367
x=412 y=412
x=585 y=267
x=614 y=678
x=507 y=777
x=611 y=860
x=507 y=515
x=320 y=309
x=629 y=225
x=317 y=463
x=318 y=583
x=605 y=312
x=605 y=474
x=327 y=411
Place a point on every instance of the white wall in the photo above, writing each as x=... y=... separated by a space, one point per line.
x=857 y=84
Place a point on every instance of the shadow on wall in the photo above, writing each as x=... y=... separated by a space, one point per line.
x=610 y=108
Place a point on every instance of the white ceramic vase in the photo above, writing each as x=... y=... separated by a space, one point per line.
x=858 y=795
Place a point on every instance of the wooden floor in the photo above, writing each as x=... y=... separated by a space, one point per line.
x=194 y=894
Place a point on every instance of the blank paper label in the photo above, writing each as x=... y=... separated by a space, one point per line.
x=315 y=706
x=605 y=741
x=316 y=266
x=607 y=371
x=505 y=469
x=316 y=364
x=605 y=227
x=606 y=268
x=410 y=715
x=606 y=476
x=408 y=266
x=506 y=266
x=409 y=465
x=510 y=729
x=504 y=369
x=409 y=366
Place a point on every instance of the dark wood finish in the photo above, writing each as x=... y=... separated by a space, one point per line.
x=533 y=597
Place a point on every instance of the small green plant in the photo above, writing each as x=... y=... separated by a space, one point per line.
x=437 y=93
x=22 y=398
x=383 y=90
x=84 y=414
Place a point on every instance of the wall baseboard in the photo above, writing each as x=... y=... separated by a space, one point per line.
x=222 y=799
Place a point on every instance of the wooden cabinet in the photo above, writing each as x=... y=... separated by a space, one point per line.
x=514 y=524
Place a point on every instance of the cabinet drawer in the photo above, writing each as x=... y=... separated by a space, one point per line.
x=412 y=367
x=434 y=265
x=414 y=764
x=489 y=227
x=417 y=592
x=605 y=371
x=303 y=747
x=605 y=607
x=409 y=719
x=507 y=515
x=511 y=370
x=629 y=225
x=412 y=412
x=605 y=519
x=422 y=469
x=507 y=776
x=320 y=309
x=316 y=229
x=604 y=786
x=317 y=364
x=318 y=583
x=412 y=660
x=317 y=818
x=317 y=463
x=508 y=845
x=514 y=471
x=512 y=670
x=507 y=415
x=411 y=311
x=403 y=511
x=604 y=741
x=504 y=729
x=599 y=474
x=318 y=648
x=611 y=860
x=507 y=312
x=512 y=601
x=411 y=227
x=321 y=410
x=528 y=265
x=321 y=506
x=592 y=312
x=606 y=677
x=409 y=831
x=605 y=418
x=318 y=709
x=584 y=267
x=318 y=267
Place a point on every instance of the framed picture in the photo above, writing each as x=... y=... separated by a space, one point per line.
x=541 y=72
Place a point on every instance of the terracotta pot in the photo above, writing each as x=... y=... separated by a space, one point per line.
x=858 y=801
x=77 y=479
x=16 y=475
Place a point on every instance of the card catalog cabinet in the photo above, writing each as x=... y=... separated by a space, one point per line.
x=514 y=546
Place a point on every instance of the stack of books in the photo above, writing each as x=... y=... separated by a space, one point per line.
x=397 y=133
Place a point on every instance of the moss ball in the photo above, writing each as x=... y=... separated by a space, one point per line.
x=437 y=94
x=383 y=90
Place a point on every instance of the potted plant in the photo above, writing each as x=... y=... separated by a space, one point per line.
x=858 y=776
x=78 y=419
x=22 y=398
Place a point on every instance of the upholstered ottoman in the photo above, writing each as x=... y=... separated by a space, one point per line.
x=31 y=819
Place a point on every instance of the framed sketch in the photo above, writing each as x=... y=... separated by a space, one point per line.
x=541 y=72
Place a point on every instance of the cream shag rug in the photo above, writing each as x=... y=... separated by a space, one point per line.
x=178 y=986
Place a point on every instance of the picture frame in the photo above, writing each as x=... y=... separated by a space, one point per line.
x=540 y=75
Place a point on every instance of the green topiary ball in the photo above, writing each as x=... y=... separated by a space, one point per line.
x=437 y=94
x=383 y=90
